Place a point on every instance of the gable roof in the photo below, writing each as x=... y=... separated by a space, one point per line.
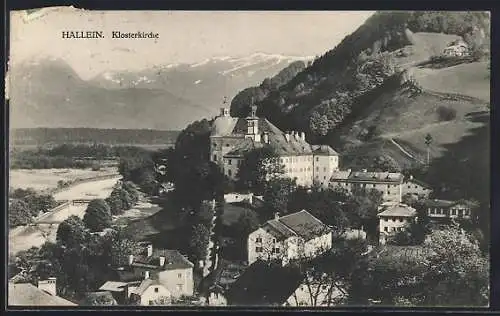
x=26 y=294
x=145 y=284
x=324 y=150
x=264 y=283
x=173 y=260
x=399 y=210
x=301 y=224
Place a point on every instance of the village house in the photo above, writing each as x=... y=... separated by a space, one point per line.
x=456 y=48
x=389 y=183
x=393 y=219
x=444 y=209
x=45 y=294
x=289 y=237
x=152 y=273
x=151 y=292
x=416 y=188
x=232 y=138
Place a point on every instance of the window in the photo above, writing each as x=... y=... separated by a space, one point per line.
x=179 y=275
x=258 y=249
x=385 y=229
x=150 y=302
x=179 y=287
x=156 y=290
x=227 y=145
x=364 y=185
x=416 y=187
x=258 y=239
x=317 y=159
x=324 y=169
x=317 y=169
x=215 y=157
x=229 y=172
x=373 y=185
x=276 y=250
x=394 y=229
x=229 y=161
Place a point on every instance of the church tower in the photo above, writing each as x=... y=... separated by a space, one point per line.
x=253 y=124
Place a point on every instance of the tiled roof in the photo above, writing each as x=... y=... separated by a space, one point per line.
x=26 y=294
x=225 y=126
x=340 y=175
x=128 y=275
x=384 y=177
x=278 y=229
x=145 y=284
x=245 y=146
x=419 y=182
x=264 y=284
x=399 y=210
x=324 y=150
x=173 y=260
x=301 y=224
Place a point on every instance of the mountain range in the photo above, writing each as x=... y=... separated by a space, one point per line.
x=49 y=93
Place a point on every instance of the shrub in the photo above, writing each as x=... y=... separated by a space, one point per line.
x=446 y=114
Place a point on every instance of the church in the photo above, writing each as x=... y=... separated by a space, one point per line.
x=232 y=137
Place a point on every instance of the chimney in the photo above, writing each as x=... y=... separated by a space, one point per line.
x=130 y=259
x=146 y=275
x=276 y=215
x=265 y=138
x=303 y=135
x=150 y=250
x=287 y=136
x=162 y=261
x=349 y=170
x=296 y=135
x=411 y=177
x=48 y=286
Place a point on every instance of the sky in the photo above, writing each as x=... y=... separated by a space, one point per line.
x=184 y=36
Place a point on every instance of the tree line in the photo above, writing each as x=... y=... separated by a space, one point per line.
x=26 y=204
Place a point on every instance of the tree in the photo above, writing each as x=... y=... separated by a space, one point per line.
x=19 y=213
x=132 y=191
x=428 y=142
x=257 y=167
x=276 y=194
x=198 y=243
x=362 y=208
x=97 y=215
x=72 y=232
x=121 y=247
x=458 y=273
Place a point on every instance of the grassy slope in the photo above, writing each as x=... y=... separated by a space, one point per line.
x=467 y=79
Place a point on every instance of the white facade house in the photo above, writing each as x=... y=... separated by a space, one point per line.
x=389 y=183
x=456 y=49
x=289 y=237
x=416 y=188
x=393 y=219
x=232 y=137
x=443 y=209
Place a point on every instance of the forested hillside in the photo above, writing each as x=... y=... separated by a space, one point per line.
x=377 y=95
